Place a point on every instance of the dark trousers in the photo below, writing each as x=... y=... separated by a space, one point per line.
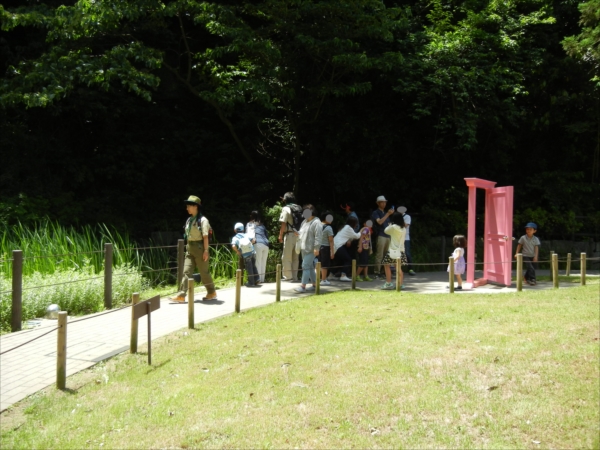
x=343 y=258
x=408 y=255
x=530 y=267
x=250 y=265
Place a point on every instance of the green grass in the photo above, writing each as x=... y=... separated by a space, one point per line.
x=350 y=369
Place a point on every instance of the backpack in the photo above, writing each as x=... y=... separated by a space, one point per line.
x=245 y=244
x=297 y=216
x=211 y=237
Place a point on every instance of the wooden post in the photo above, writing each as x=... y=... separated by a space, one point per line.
x=519 y=272
x=278 y=284
x=108 y=263
x=568 y=270
x=583 y=268
x=551 y=270
x=17 y=291
x=180 y=260
x=555 y=270
x=61 y=351
x=149 y=335
x=191 y=303
x=353 y=274
x=133 y=340
x=238 y=289
x=398 y=269
x=318 y=279
x=451 y=274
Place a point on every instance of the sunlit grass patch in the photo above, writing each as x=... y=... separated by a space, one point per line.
x=350 y=369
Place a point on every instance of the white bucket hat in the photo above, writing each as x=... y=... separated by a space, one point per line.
x=381 y=198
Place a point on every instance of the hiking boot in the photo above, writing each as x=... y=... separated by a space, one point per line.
x=178 y=299
x=212 y=296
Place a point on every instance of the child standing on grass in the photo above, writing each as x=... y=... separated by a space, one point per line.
x=397 y=233
x=458 y=255
x=364 y=251
x=530 y=245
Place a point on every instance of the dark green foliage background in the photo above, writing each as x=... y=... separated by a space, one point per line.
x=403 y=99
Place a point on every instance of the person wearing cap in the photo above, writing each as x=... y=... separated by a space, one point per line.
x=288 y=235
x=383 y=240
x=530 y=245
x=242 y=245
x=197 y=229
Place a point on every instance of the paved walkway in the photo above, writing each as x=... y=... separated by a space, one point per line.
x=32 y=367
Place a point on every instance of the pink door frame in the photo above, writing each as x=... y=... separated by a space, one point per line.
x=473 y=184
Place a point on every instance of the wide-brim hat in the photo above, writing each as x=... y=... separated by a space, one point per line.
x=531 y=225
x=193 y=200
x=381 y=198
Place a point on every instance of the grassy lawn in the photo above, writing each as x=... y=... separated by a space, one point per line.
x=345 y=370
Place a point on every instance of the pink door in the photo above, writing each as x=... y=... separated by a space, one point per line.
x=497 y=246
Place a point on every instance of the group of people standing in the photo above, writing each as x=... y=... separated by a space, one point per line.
x=303 y=233
x=315 y=238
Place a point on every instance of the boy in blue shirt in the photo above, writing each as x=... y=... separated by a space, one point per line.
x=242 y=245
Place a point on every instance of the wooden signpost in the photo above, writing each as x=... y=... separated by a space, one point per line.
x=140 y=310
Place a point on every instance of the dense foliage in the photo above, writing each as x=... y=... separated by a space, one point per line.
x=115 y=111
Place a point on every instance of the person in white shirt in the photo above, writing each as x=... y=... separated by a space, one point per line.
x=342 y=256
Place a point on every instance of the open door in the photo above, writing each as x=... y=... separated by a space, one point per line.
x=497 y=247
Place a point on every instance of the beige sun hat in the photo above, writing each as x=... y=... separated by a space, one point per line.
x=193 y=200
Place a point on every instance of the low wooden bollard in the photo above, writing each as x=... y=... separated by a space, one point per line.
x=278 y=284
x=555 y=270
x=191 y=303
x=568 y=269
x=353 y=274
x=133 y=339
x=61 y=351
x=238 y=289
x=17 y=291
x=583 y=268
x=519 y=272
x=451 y=274
x=318 y=278
x=551 y=270
x=398 y=269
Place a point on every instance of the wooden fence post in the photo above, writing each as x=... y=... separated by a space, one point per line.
x=551 y=271
x=278 y=284
x=555 y=270
x=133 y=339
x=318 y=278
x=451 y=274
x=17 y=291
x=61 y=351
x=519 y=272
x=583 y=268
x=238 y=289
x=568 y=271
x=108 y=263
x=353 y=274
x=191 y=303
x=398 y=269
x=180 y=260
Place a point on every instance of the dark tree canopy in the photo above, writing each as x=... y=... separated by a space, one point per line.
x=115 y=111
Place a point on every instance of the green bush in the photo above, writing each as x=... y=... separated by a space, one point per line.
x=77 y=291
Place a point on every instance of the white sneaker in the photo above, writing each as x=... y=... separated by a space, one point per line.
x=325 y=283
x=310 y=288
x=300 y=289
x=345 y=278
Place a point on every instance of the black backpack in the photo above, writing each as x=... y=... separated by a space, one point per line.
x=297 y=216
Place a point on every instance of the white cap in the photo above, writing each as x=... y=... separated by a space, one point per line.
x=239 y=226
x=381 y=198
